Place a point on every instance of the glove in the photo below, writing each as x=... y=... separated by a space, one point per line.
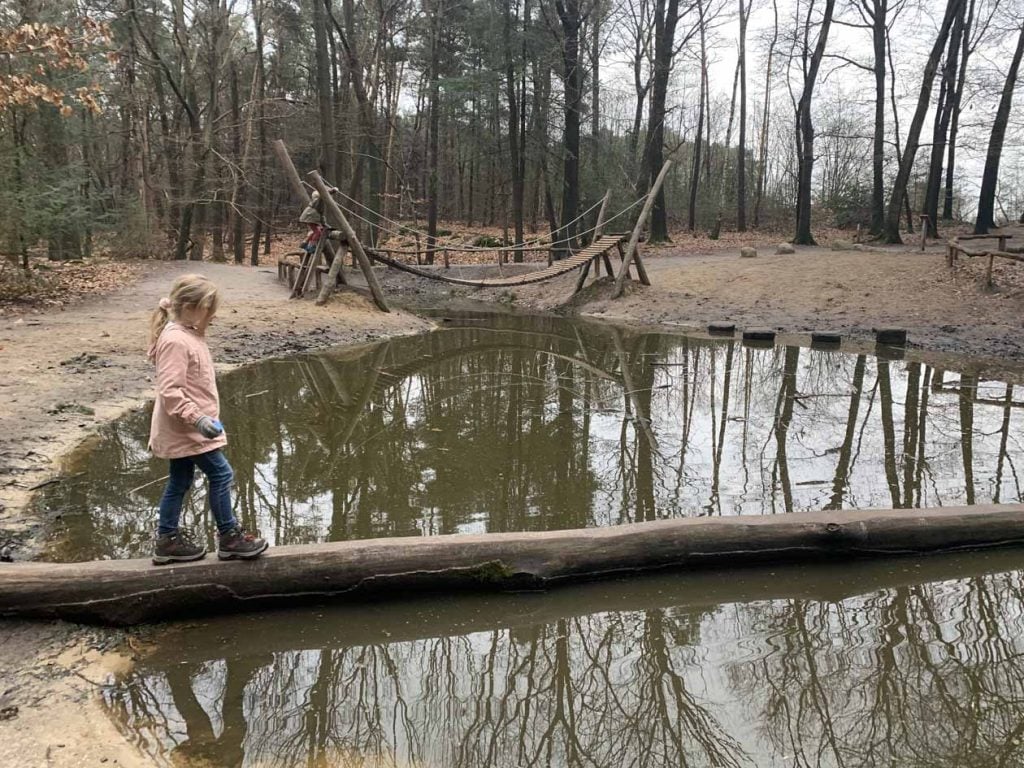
x=209 y=427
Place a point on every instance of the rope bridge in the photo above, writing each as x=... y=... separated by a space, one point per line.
x=595 y=250
x=299 y=275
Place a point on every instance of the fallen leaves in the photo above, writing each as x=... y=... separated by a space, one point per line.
x=54 y=284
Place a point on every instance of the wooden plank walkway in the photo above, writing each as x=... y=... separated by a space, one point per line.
x=593 y=251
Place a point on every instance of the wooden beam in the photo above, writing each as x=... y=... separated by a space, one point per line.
x=641 y=222
x=300 y=191
x=338 y=221
x=133 y=591
x=597 y=233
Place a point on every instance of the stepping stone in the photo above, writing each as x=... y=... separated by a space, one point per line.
x=826 y=337
x=721 y=327
x=894 y=336
x=759 y=334
x=748 y=252
x=784 y=248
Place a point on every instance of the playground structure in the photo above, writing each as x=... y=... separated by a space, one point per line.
x=332 y=249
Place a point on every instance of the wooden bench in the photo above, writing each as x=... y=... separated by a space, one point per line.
x=289 y=267
x=1002 y=238
x=954 y=249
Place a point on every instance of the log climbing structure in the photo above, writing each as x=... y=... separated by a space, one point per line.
x=308 y=270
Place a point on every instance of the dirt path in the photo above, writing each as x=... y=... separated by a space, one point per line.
x=62 y=373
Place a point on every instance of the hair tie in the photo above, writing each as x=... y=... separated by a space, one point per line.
x=165 y=304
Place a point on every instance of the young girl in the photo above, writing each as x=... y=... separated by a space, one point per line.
x=185 y=426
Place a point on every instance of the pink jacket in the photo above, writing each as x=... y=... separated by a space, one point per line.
x=186 y=389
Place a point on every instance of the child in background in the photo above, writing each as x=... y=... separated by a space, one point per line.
x=185 y=426
x=313 y=216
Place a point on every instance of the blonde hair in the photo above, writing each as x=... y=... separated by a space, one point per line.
x=188 y=292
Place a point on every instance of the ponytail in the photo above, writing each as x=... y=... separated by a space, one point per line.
x=160 y=317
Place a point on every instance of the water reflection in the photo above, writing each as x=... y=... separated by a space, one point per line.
x=535 y=424
x=751 y=669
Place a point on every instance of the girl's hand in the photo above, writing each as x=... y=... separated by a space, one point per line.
x=209 y=427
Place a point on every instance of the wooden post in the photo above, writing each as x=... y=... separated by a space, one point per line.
x=314 y=262
x=924 y=230
x=335 y=215
x=988 y=271
x=599 y=227
x=597 y=233
x=300 y=191
x=620 y=280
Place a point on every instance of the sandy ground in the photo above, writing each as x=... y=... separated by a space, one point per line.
x=64 y=372
x=852 y=292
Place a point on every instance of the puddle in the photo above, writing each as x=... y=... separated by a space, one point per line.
x=866 y=665
x=511 y=424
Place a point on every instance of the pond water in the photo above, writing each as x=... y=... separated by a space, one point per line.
x=904 y=663
x=510 y=424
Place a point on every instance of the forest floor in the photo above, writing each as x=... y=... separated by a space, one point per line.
x=67 y=366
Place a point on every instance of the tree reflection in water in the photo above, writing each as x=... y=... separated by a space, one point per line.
x=538 y=424
x=647 y=673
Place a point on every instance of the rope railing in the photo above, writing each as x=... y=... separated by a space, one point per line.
x=536 y=245
x=533 y=245
x=539 y=242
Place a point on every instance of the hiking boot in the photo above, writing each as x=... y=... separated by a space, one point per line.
x=238 y=544
x=177 y=547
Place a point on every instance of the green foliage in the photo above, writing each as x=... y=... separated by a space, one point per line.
x=488 y=241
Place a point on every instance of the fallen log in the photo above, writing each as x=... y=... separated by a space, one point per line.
x=132 y=591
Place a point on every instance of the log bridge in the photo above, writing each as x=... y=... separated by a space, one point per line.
x=125 y=592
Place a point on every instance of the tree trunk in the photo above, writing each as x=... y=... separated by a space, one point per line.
x=569 y=16
x=899 y=188
x=516 y=160
x=324 y=93
x=879 y=45
x=125 y=592
x=762 y=161
x=954 y=126
x=805 y=133
x=691 y=210
x=261 y=98
x=741 y=149
x=990 y=176
x=943 y=112
x=666 y=17
x=435 y=108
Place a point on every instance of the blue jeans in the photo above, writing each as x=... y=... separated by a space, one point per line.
x=219 y=474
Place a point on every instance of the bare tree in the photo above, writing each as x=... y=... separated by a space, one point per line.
x=990 y=176
x=899 y=188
